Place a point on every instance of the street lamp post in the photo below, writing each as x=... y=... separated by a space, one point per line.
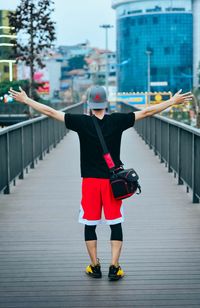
x=106 y=27
x=148 y=53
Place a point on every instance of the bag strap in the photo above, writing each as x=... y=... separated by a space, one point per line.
x=100 y=135
x=106 y=154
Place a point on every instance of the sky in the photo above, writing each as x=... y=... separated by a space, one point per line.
x=79 y=20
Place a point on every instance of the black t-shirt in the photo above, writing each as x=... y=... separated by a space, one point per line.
x=112 y=126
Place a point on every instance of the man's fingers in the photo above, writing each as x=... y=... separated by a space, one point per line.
x=21 y=90
x=188 y=93
x=13 y=94
x=13 y=91
x=189 y=97
x=187 y=100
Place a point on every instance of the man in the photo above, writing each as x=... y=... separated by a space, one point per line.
x=96 y=188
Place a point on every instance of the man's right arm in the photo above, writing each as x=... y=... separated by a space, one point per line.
x=46 y=110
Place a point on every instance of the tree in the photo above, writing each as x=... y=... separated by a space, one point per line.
x=196 y=92
x=36 y=33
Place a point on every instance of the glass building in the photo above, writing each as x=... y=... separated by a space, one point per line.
x=196 y=42
x=154 y=45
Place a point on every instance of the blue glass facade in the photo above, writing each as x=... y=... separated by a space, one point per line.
x=169 y=37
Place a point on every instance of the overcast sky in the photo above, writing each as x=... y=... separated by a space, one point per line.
x=78 y=20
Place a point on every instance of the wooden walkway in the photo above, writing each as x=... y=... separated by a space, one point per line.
x=42 y=252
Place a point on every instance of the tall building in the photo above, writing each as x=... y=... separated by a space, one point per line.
x=6 y=48
x=196 y=42
x=155 y=44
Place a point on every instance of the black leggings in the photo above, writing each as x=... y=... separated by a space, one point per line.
x=116 y=233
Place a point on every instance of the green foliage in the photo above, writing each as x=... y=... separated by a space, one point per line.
x=6 y=85
x=32 y=22
x=33 y=19
x=24 y=84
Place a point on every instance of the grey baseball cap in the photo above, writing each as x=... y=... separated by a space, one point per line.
x=97 y=98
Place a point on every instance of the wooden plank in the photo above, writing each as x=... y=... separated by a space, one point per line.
x=42 y=252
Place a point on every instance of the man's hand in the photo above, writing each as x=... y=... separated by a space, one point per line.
x=179 y=98
x=46 y=110
x=19 y=96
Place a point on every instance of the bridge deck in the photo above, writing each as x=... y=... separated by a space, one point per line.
x=42 y=253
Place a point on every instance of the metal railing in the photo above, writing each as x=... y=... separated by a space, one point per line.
x=21 y=145
x=176 y=144
x=18 y=108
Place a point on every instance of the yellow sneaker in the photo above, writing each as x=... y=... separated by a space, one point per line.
x=115 y=272
x=94 y=271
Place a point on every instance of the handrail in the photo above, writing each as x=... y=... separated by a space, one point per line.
x=22 y=144
x=37 y=119
x=176 y=144
x=173 y=122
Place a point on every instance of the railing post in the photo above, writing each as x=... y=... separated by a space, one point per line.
x=161 y=159
x=21 y=176
x=33 y=147
x=41 y=141
x=150 y=123
x=155 y=134
x=142 y=129
x=145 y=134
x=48 y=135
x=180 y=181
x=7 y=189
x=194 y=197
x=169 y=149
x=54 y=134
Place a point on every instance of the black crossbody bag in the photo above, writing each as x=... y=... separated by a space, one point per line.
x=124 y=182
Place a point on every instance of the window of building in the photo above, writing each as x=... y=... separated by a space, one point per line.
x=6 y=69
x=161 y=40
x=126 y=32
x=154 y=71
x=136 y=40
x=132 y=22
x=167 y=50
x=155 y=20
x=141 y=21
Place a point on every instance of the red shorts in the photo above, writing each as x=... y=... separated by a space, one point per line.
x=97 y=194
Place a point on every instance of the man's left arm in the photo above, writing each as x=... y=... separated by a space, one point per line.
x=177 y=99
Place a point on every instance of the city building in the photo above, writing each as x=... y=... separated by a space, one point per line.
x=50 y=75
x=196 y=42
x=155 y=44
x=83 y=65
x=70 y=51
x=7 y=69
x=97 y=62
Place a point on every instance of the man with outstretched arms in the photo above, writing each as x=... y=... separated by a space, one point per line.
x=96 y=188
